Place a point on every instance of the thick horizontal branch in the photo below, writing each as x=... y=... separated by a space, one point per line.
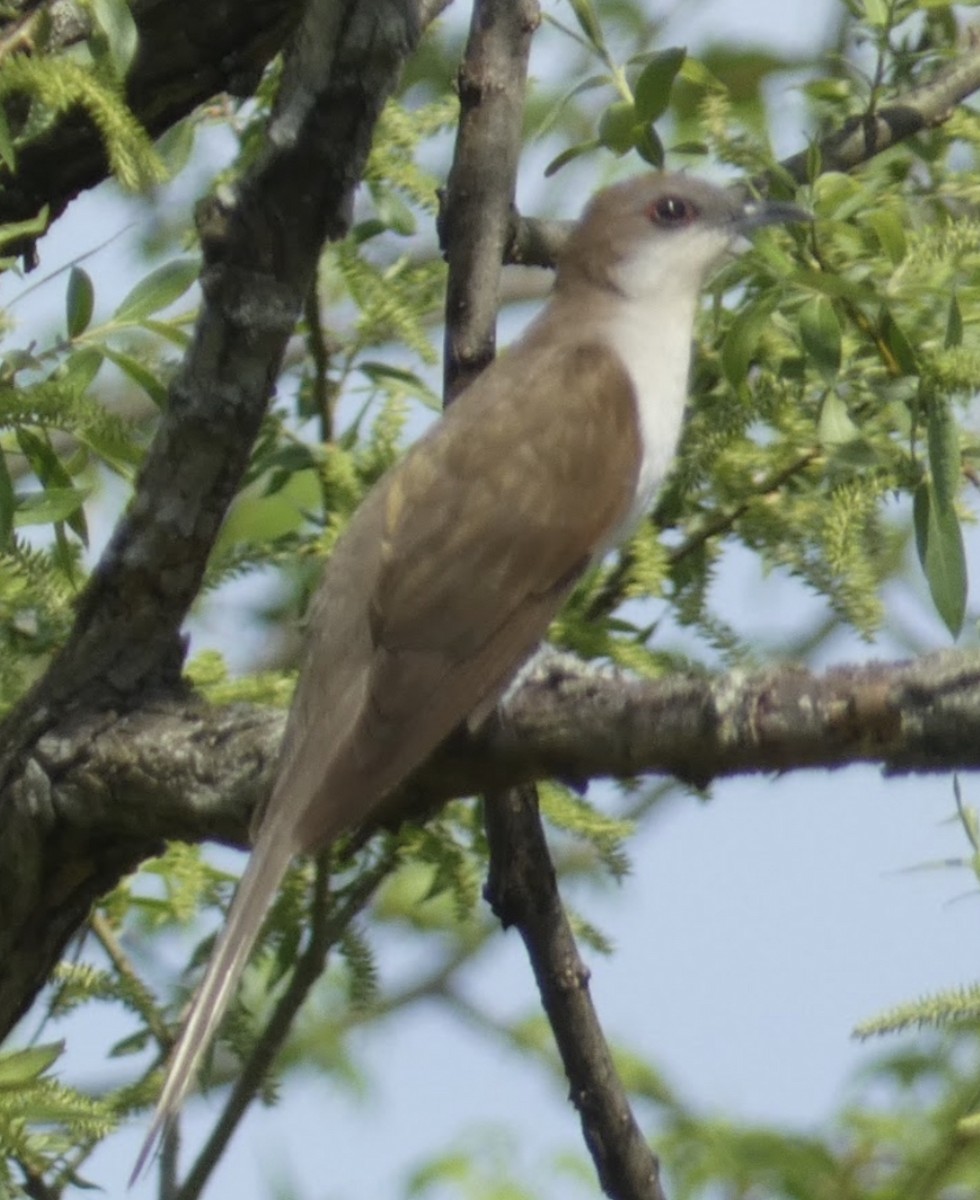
x=577 y=725
x=188 y=53
x=924 y=107
x=183 y=770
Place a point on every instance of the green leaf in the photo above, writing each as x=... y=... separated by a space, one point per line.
x=141 y=375
x=364 y=231
x=890 y=233
x=616 y=127
x=876 y=13
x=79 y=301
x=259 y=518
x=939 y=541
x=700 y=148
x=21 y=1067
x=838 y=196
x=700 y=75
x=50 y=470
x=171 y=331
x=53 y=504
x=901 y=348
x=115 y=21
x=8 y=154
x=588 y=22
x=158 y=290
x=945 y=464
x=835 y=286
x=395 y=213
x=174 y=147
x=566 y=156
x=651 y=95
x=741 y=342
x=821 y=336
x=834 y=90
x=32 y=227
x=835 y=427
x=80 y=368
x=649 y=147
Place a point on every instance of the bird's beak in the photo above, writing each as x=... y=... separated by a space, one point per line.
x=757 y=213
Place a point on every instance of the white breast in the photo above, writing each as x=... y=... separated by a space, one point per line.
x=654 y=343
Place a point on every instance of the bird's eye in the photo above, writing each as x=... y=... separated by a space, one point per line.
x=672 y=210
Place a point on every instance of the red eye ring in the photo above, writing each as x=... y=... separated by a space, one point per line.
x=673 y=211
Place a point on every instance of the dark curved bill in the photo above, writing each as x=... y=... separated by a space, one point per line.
x=757 y=213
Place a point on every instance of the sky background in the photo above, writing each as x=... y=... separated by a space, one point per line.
x=754 y=932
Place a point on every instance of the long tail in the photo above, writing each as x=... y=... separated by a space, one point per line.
x=259 y=884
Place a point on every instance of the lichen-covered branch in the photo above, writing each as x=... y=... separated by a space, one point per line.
x=102 y=793
x=261 y=251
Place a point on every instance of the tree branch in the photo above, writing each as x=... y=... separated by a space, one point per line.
x=523 y=891
x=104 y=792
x=537 y=243
x=188 y=52
x=261 y=251
x=478 y=201
x=522 y=887
x=327 y=924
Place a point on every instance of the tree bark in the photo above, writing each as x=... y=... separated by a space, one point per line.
x=102 y=792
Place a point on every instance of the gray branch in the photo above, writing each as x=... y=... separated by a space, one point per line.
x=536 y=243
x=522 y=886
x=188 y=53
x=477 y=206
x=103 y=793
x=261 y=249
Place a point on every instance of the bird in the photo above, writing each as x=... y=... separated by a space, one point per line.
x=450 y=571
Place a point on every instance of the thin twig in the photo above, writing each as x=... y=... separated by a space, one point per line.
x=140 y=995
x=326 y=926
x=523 y=892
x=478 y=202
x=613 y=590
x=35 y=1187
x=537 y=243
x=319 y=352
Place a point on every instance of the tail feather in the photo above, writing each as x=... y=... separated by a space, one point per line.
x=259 y=884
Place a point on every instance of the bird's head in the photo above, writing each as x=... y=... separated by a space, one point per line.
x=662 y=231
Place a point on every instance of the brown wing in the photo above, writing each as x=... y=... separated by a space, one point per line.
x=472 y=543
x=506 y=500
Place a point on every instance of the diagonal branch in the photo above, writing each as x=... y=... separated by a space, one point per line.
x=523 y=891
x=536 y=243
x=231 y=44
x=327 y=924
x=261 y=250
